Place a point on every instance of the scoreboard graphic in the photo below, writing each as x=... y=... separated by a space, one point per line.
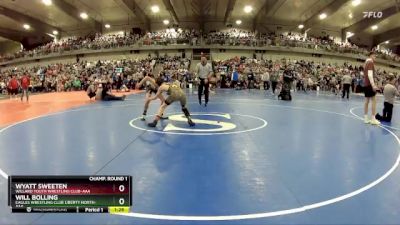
x=70 y=194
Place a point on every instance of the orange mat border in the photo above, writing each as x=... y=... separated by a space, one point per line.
x=13 y=110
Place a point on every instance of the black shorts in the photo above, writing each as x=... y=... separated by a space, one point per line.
x=369 y=92
x=12 y=91
x=151 y=90
x=91 y=94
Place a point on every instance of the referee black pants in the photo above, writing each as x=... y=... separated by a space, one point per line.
x=387 y=112
x=274 y=84
x=203 y=86
x=109 y=97
x=346 y=89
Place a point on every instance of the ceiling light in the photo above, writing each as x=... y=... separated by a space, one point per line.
x=355 y=2
x=350 y=15
x=322 y=16
x=248 y=9
x=155 y=9
x=47 y=2
x=84 y=15
x=27 y=26
x=374 y=27
x=387 y=42
x=238 y=22
x=166 y=22
x=55 y=32
x=301 y=26
x=107 y=26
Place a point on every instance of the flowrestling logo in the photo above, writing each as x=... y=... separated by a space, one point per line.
x=206 y=124
x=375 y=15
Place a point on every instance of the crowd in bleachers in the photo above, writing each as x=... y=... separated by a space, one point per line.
x=122 y=74
x=172 y=36
x=90 y=42
x=178 y=69
x=233 y=37
x=309 y=75
x=252 y=73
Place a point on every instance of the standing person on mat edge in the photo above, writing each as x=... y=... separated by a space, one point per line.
x=389 y=92
x=370 y=89
x=175 y=93
x=204 y=72
x=25 y=82
x=13 y=87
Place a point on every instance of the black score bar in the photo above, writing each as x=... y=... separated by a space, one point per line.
x=105 y=209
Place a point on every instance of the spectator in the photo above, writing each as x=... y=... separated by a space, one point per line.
x=389 y=92
x=13 y=87
x=91 y=90
x=2 y=87
x=106 y=94
x=265 y=79
x=25 y=83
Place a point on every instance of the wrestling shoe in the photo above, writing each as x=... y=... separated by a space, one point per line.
x=375 y=122
x=191 y=123
x=366 y=120
x=152 y=124
x=143 y=118
x=164 y=117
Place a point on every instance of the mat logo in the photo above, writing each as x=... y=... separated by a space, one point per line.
x=215 y=125
x=208 y=123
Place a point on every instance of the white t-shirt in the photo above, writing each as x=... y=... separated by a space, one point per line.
x=265 y=76
x=203 y=71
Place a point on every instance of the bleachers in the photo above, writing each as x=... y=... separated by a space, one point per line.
x=214 y=40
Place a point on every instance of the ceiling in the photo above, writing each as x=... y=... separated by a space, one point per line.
x=341 y=18
x=34 y=8
x=299 y=10
x=385 y=25
x=63 y=15
x=8 y=22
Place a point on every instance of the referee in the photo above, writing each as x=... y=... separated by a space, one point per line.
x=346 y=81
x=204 y=73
